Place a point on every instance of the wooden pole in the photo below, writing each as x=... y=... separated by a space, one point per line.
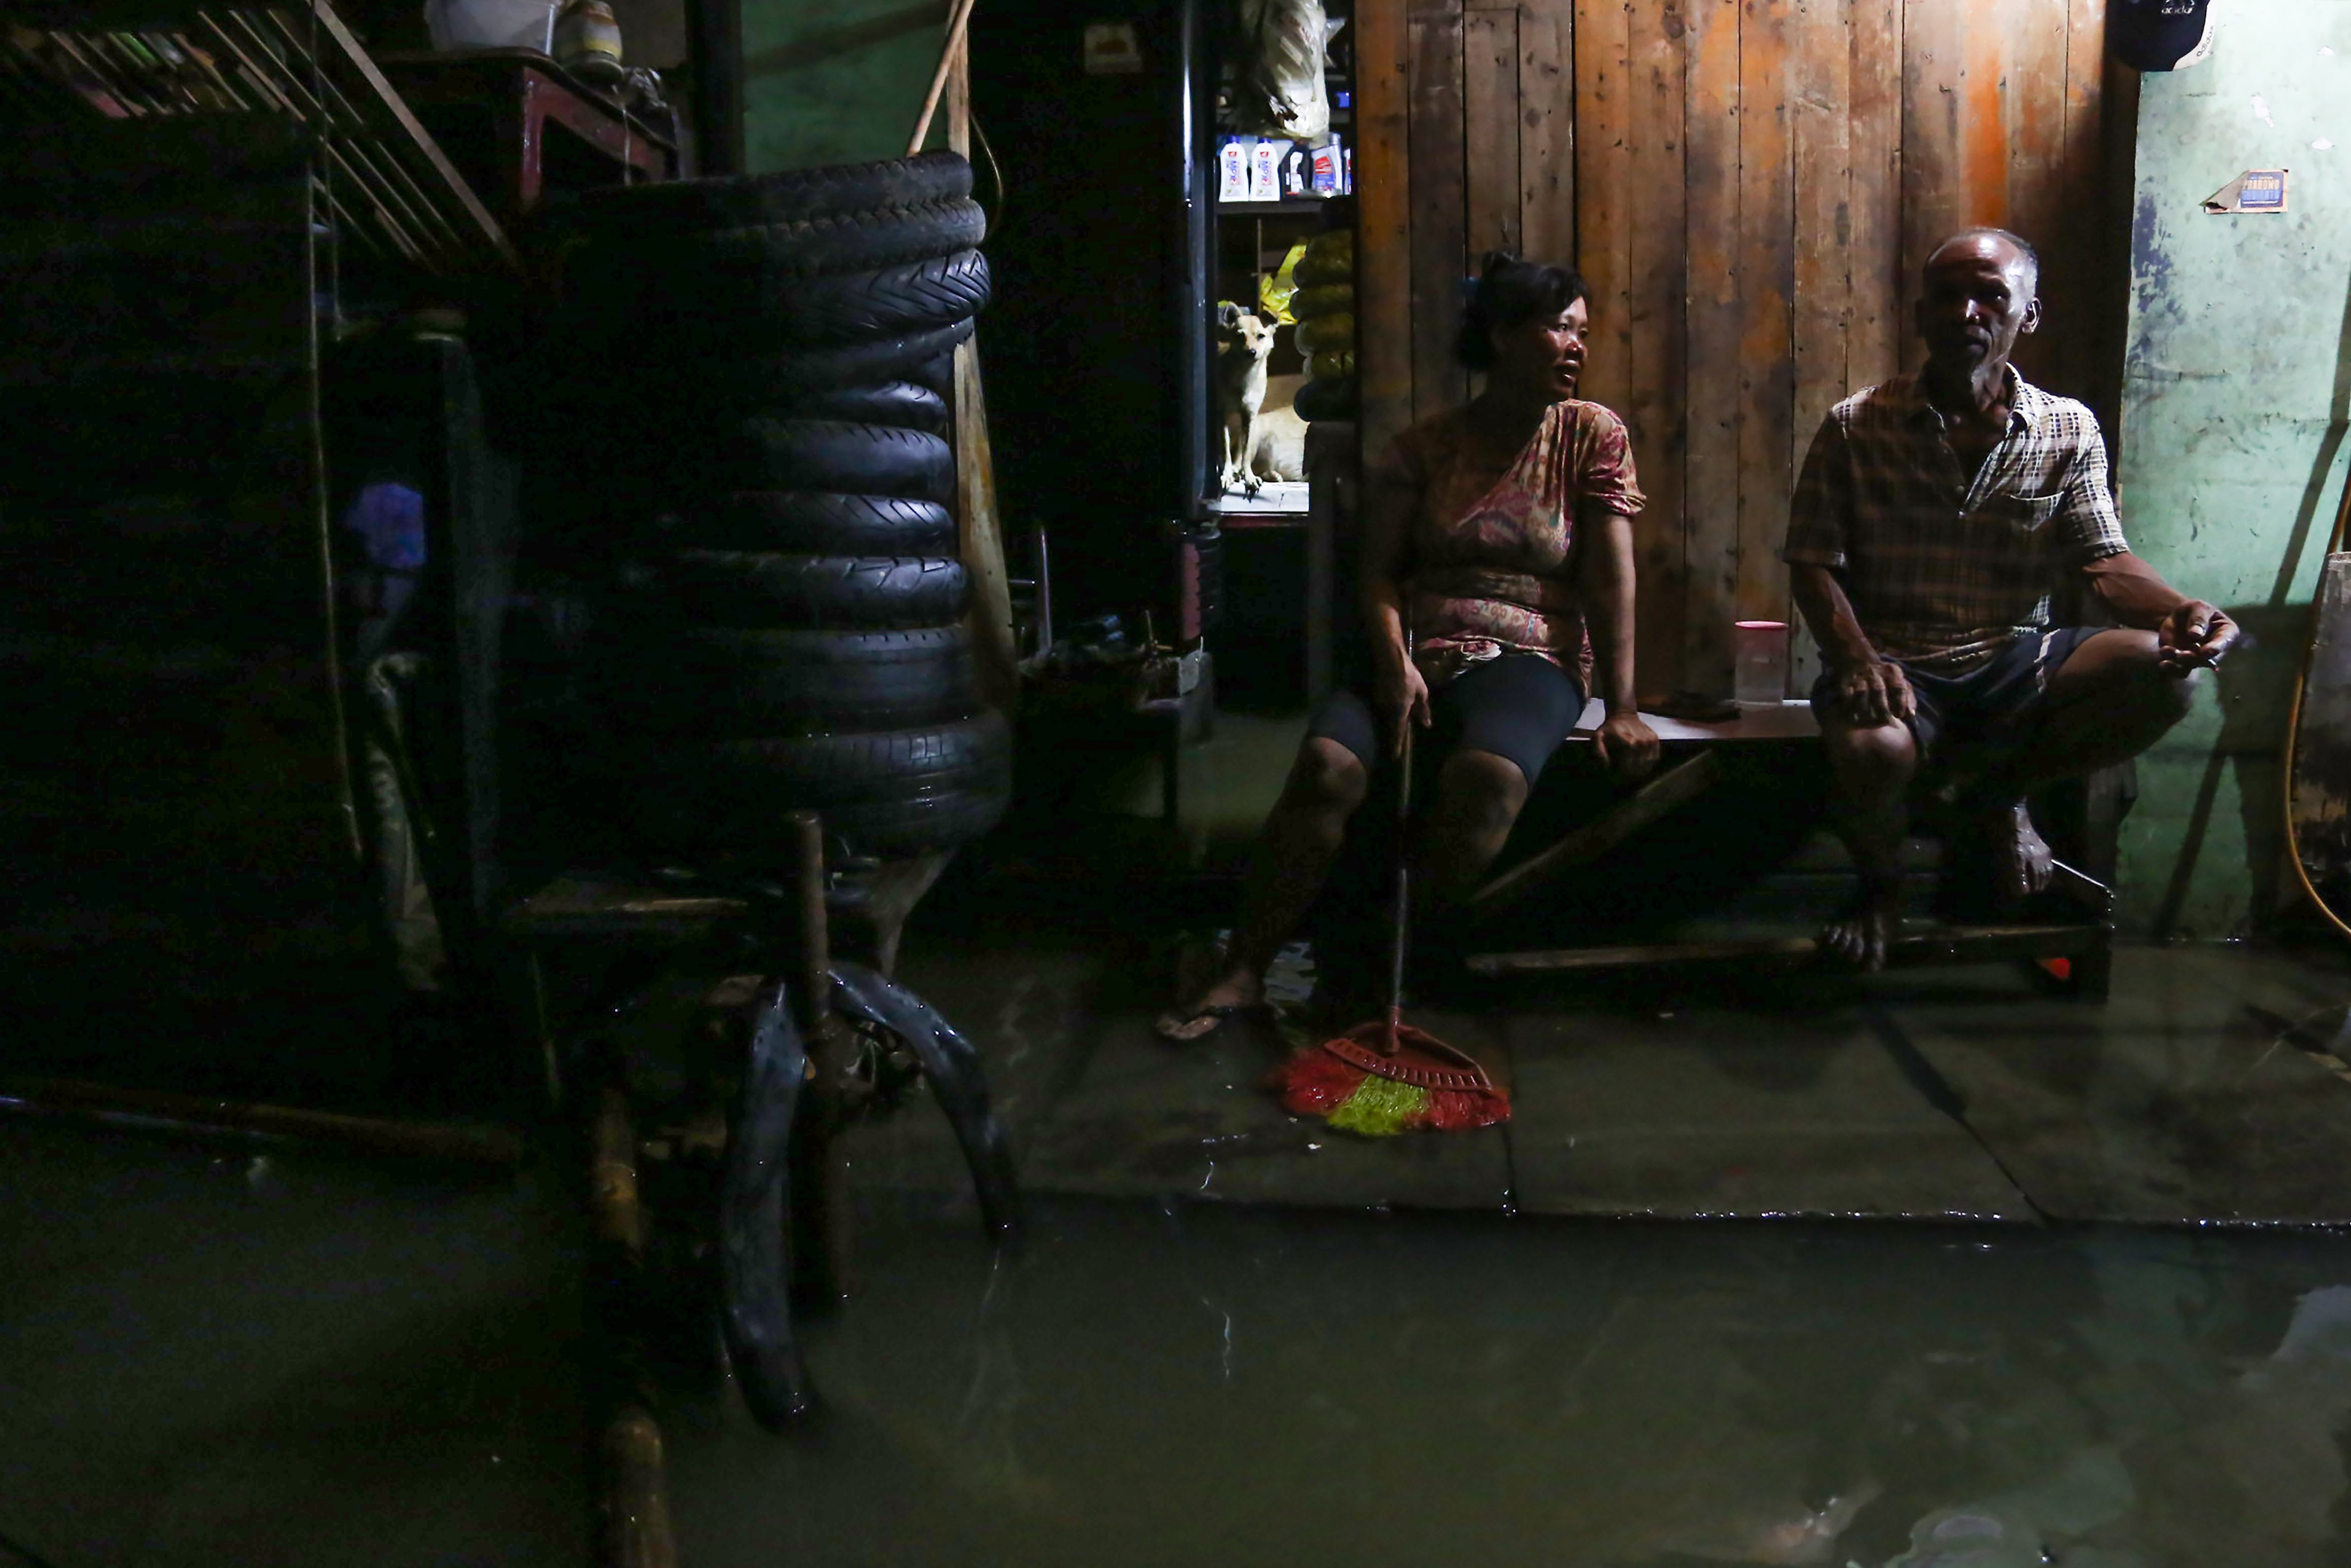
x=982 y=530
x=154 y=1110
x=821 y=1187
x=633 y=1489
x=813 y=981
x=1943 y=944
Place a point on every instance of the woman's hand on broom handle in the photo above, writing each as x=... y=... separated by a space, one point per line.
x=1404 y=698
x=1389 y=496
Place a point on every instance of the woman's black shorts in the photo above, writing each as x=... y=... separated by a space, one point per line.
x=1520 y=707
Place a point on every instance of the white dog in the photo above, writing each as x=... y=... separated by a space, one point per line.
x=1264 y=437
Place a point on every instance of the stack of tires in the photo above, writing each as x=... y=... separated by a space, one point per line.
x=1324 y=305
x=787 y=628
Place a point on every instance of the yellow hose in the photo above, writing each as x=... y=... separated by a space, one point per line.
x=2293 y=727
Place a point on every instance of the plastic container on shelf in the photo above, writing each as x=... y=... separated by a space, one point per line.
x=492 y=24
x=587 y=41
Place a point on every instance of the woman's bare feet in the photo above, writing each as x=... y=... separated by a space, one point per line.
x=1857 y=938
x=2022 y=862
x=1239 y=989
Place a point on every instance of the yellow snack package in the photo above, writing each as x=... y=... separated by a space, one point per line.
x=1274 y=291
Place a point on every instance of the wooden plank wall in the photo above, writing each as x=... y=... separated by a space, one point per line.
x=1750 y=186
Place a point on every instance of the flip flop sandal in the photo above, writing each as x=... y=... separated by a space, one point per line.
x=1221 y=1013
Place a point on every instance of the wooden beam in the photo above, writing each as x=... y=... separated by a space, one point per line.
x=1875 y=332
x=1947 y=944
x=2032 y=89
x=155 y=1109
x=390 y=101
x=1604 y=196
x=1383 y=210
x=1440 y=213
x=1661 y=796
x=1934 y=176
x=1767 y=288
x=1547 y=131
x=982 y=530
x=1822 y=150
x=1490 y=91
x=1713 y=406
x=2101 y=139
x=1655 y=399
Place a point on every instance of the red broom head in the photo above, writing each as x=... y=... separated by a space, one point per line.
x=1466 y=1111
x=1313 y=1082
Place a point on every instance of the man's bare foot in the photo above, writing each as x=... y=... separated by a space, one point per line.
x=1857 y=938
x=2022 y=863
x=1238 y=990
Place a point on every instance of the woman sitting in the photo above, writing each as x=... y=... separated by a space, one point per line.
x=1495 y=532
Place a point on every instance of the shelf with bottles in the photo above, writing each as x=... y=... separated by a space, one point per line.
x=1261 y=172
x=1290 y=207
x=1263 y=103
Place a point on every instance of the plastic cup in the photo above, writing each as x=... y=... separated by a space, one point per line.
x=1760 y=675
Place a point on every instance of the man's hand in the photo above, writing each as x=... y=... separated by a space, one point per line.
x=2193 y=636
x=1404 y=699
x=1875 y=692
x=1627 y=743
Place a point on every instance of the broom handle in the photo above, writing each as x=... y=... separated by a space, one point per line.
x=1403 y=891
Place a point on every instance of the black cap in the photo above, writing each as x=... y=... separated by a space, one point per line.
x=2156 y=34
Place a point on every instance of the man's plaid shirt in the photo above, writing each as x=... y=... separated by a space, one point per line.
x=1941 y=571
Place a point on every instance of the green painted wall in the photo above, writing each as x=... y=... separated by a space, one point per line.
x=857 y=103
x=2236 y=392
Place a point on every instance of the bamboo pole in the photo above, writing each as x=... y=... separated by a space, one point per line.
x=958 y=23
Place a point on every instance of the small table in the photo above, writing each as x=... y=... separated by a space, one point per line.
x=519 y=93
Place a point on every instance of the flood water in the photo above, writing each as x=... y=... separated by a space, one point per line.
x=206 y=1359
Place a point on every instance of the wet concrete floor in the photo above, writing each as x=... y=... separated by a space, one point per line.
x=2202 y=1092
x=1242 y=1339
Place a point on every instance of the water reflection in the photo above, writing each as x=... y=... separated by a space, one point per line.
x=224 y=1360
x=1188 y=1384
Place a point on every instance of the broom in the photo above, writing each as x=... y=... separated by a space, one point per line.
x=1383 y=1076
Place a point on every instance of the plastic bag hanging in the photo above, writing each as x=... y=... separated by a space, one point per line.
x=1280 y=90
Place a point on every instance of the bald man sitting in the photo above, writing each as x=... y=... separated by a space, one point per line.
x=1934 y=517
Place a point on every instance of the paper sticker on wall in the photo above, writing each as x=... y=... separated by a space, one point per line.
x=2254 y=191
x=1113 y=50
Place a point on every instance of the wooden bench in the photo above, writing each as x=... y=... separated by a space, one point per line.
x=1693 y=766
x=2082 y=819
